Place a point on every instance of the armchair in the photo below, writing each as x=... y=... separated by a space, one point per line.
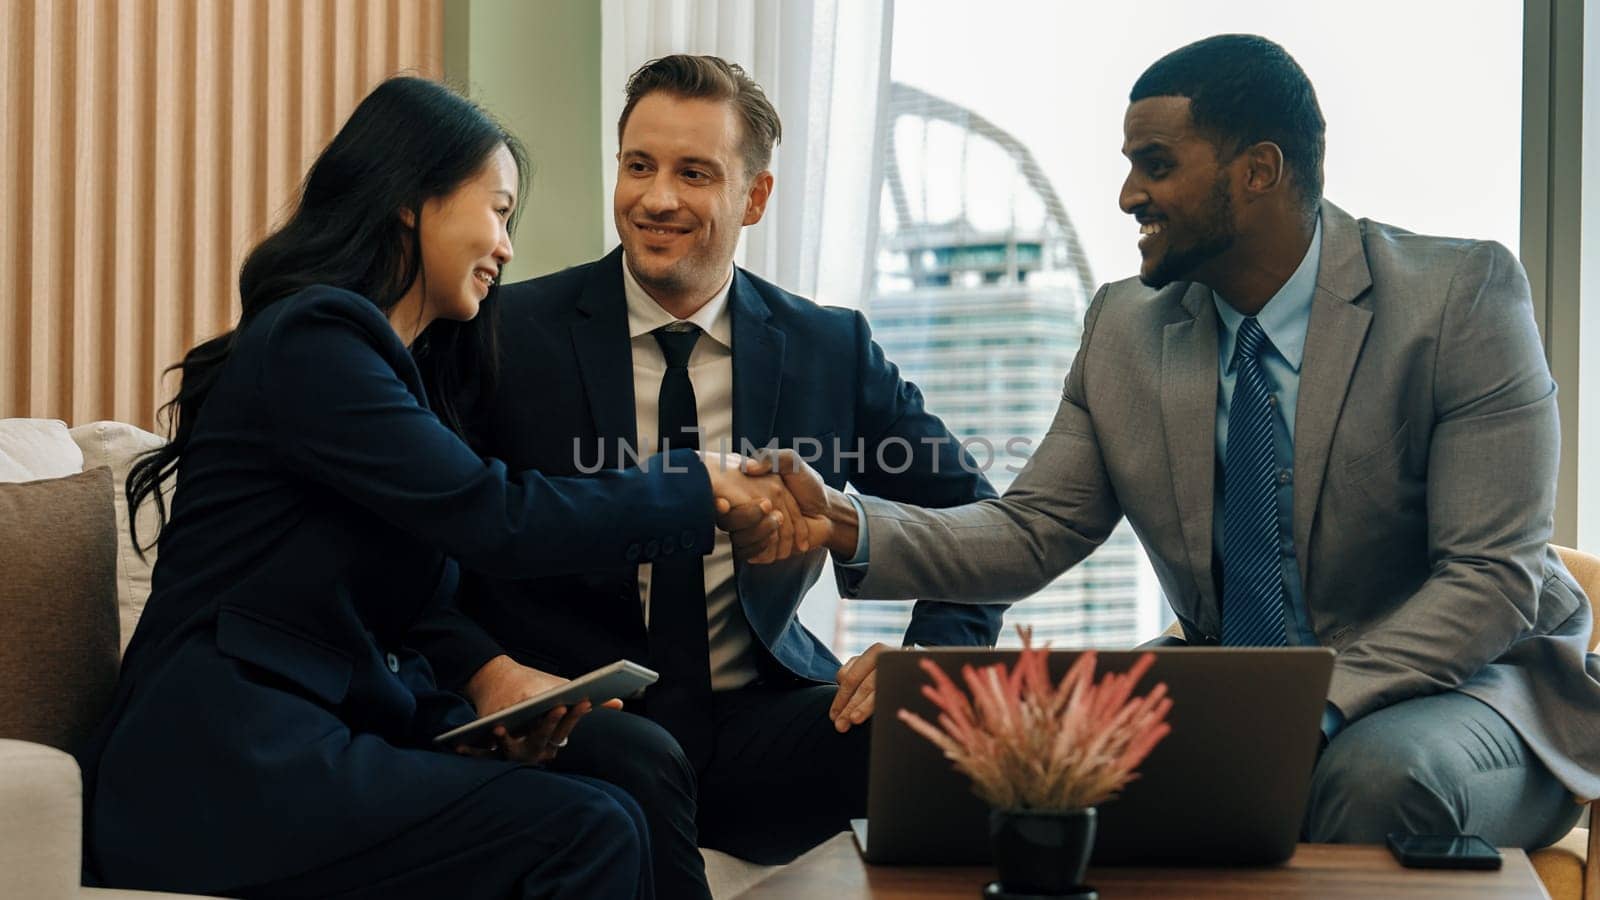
x=1570 y=869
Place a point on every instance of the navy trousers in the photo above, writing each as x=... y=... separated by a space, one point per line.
x=526 y=834
x=780 y=779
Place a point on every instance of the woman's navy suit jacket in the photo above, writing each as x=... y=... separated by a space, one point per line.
x=270 y=718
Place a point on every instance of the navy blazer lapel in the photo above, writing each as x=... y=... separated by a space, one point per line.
x=605 y=357
x=757 y=374
x=757 y=364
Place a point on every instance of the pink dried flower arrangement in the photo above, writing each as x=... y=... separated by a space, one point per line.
x=1029 y=745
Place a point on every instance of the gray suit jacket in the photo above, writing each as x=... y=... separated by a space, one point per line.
x=1424 y=465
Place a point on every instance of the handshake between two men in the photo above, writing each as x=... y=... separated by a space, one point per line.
x=773 y=505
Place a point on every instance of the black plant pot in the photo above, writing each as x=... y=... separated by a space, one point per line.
x=1041 y=853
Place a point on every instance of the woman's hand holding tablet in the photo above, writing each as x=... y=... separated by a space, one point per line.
x=522 y=720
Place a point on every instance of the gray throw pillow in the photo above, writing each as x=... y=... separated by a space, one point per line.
x=58 y=607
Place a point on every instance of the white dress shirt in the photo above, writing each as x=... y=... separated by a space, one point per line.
x=711 y=372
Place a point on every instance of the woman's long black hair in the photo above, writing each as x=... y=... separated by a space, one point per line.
x=409 y=141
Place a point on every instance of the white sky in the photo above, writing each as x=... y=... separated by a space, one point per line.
x=1423 y=98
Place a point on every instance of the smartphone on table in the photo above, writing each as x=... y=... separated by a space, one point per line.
x=1443 y=851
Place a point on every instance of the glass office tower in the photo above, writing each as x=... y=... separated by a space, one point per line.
x=981 y=288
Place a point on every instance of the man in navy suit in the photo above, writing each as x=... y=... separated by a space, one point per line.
x=745 y=744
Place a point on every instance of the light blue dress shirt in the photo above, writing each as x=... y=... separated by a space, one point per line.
x=1284 y=319
x=860 y=559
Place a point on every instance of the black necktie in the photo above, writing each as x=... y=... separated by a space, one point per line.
x=679 y=648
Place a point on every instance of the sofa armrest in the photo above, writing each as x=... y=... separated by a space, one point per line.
x=41 y=822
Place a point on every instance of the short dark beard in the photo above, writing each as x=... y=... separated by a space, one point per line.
x=669 y=285
x=1215 y=236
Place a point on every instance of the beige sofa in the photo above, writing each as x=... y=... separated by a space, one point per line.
x=71 y=595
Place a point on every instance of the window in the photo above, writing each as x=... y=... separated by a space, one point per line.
x=999 y=215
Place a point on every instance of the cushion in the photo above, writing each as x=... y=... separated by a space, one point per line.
x=58 y=658
x=41 y=822
x=1560 y=868
x=37 y=448
x=117 y=446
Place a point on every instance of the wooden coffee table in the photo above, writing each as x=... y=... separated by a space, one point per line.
x=835 y=871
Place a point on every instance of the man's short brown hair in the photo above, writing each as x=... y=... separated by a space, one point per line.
x=712 y=78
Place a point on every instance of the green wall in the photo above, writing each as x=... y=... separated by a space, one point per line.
x=535 y=64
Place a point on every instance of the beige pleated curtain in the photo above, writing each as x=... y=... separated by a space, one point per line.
x=145 y=145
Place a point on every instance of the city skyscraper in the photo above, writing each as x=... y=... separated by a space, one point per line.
x=980 y=292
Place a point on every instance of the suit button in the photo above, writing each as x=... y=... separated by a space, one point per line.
x=687 y=538
x=669 y=546
x=394 y=663
x=633 y=553
x=651 y=549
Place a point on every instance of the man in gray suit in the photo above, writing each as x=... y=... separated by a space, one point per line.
x=1326 y=431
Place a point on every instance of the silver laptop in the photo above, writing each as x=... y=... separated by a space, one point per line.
x=1228 y=785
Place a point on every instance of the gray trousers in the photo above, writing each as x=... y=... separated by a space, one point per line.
x=1442 y=764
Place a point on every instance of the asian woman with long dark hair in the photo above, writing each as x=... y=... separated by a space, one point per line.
x=271 y=732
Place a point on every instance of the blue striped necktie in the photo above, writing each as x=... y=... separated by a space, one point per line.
x=1252 y=584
